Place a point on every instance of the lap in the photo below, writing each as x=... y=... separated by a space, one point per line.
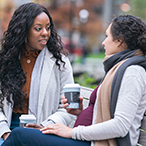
x=32 y=137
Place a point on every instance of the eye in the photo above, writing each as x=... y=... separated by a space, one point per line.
x=37 y=28
x=48 y=28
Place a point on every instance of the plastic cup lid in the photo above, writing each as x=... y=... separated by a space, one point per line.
x=27 y=117
x=71 y=86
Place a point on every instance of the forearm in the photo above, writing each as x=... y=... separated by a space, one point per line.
x=4 y=128
x=59 y=116
x=101 y=131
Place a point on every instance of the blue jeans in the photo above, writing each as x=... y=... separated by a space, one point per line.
x=32 y=137
x=14 y=123
x=1 y=141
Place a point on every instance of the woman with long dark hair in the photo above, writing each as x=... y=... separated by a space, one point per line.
x=33 y=70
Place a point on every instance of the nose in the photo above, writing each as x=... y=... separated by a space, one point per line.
x=103 y=43
x=44 y=32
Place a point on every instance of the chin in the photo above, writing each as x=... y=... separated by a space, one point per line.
x=40 y=48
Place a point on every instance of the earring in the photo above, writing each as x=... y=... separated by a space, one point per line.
x=25 y=40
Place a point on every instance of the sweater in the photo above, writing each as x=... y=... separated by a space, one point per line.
x=130 y=108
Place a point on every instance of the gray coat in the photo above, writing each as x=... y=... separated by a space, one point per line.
x=51 y=89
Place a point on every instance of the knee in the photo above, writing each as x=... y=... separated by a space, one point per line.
x=17 y=131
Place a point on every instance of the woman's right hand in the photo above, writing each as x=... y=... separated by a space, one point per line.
x=70 y=110
x=5 y=135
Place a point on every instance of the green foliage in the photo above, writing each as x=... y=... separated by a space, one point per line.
x=142 y=130
x=96 y=55
x=138 y=8
x=139 y=145
x=86 y=80
x=78 y=59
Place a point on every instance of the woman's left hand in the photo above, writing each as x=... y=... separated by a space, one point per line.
x=58 y=129
x=34 y=126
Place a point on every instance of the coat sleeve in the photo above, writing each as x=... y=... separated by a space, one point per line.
x=5 y=118
x=4 y=127
x=66 y=77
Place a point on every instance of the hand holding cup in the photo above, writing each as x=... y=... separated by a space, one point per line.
x=72 y=100
x=71 y=110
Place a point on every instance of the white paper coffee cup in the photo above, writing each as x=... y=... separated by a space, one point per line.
x=72 y=93
x=24 y=119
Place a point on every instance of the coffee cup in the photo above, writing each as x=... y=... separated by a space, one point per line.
x=72 y=93
x=24 y=119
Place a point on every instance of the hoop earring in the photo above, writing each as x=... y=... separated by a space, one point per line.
x=25 y=40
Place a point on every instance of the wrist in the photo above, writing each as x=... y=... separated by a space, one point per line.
x=5 y=135
x=70 y=133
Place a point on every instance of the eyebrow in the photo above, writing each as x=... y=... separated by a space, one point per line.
x=41 y=24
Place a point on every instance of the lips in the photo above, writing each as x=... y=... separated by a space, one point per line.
x=43 y=42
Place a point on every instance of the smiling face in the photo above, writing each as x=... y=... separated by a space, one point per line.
x=39 y=33
x=112 y=47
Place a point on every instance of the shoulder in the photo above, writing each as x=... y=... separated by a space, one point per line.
x=135 y=70
x=64 y=57
x=135 y=73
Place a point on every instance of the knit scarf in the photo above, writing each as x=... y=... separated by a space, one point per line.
x=115 y=67
x=35 y=82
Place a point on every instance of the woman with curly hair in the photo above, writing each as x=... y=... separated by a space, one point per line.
x=116 y=107
x=34 y=68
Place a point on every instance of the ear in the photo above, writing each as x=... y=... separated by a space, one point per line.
x=119 y=42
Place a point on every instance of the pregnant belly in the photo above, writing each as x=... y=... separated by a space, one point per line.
x=85 y=118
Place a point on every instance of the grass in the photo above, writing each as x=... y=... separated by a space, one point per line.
x=78 y=59
x=86 y=80
x=96 y=55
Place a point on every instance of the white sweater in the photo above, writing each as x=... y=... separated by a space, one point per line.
x=130 y=108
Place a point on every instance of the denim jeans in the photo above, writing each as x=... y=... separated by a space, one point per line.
x=1 y=141
x=33 y=137
x=14 y=123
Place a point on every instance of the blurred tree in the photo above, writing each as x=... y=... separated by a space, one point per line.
x=138 y=8
x=66 y=17
x=7 y=12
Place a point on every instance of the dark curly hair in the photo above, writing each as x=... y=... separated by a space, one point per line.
x=12 y=77
x=131 y=30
